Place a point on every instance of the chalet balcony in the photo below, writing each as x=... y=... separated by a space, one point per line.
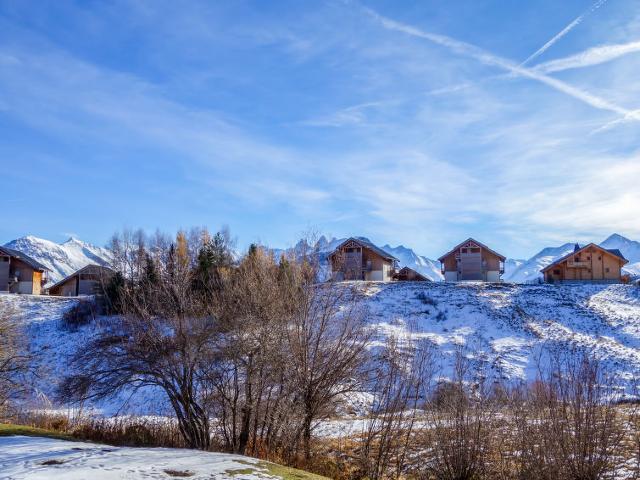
x=574 y=264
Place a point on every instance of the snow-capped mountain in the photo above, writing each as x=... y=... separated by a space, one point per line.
x=529 y=271
x=408 y=258
x=629 y=248
x=61 y=258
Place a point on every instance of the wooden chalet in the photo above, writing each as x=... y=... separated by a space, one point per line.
x=590 y=263
x=20 y=273
x=359 y=259
x=472 y=261
x=407 y=274
x=89 y=280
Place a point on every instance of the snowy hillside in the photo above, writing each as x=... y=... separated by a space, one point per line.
x=61 y=258
x=505 y=322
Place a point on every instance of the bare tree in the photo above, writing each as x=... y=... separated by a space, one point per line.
x=327 y=342
x=163 y=338
x=14 y=356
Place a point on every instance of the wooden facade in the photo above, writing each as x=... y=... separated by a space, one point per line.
x=590 y=263
x=359 y=259
x=472 y=261
x=89 y=280
x=20 y=273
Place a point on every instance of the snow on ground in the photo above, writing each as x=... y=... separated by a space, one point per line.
x=37 y=458
x=503 y=323
x=52 y=344
x=508 y=322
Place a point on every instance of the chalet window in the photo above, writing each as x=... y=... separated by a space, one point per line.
x=600 y=257
x=588 y=257
x=464 y=250
x=474 y=250
x=4 y=259
x=556 y=272
x=606 y=269
x=84 y=276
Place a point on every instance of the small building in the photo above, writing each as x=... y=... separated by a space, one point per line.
x=359 y=259
x=590 y=263
x=407 y=274
x=89 y=280
x=472 y=261
x=19 y=273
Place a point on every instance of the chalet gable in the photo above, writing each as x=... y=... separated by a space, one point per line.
x=354 y=242
x=471 y=243
x=579 y=250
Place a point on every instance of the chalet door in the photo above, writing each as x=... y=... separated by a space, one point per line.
x=471 y=264
x=37 y=283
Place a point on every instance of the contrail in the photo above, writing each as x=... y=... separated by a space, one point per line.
x=592 y=56
x=564 y=31
x=490 y=59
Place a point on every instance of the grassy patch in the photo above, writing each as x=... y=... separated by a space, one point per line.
x=179 y=473
x=288 y=473
x=273 y=469
x=7 y=429
x=240 y=471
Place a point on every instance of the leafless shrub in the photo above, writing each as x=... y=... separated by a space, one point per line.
x=402 y=376
x=457 y=438
x=568 y=424
x=80 y=314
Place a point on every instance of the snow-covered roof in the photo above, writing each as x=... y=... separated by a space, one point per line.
x=23 y=257
x=501 y=257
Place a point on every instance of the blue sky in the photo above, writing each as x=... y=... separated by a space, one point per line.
x=416 y=123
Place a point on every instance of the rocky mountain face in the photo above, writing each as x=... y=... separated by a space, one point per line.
x=61 y=258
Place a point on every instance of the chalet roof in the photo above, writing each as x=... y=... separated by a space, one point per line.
x=501 y=257
x=409 y=269
x=367 y=244
x=612 y=251
x=23 y=257
x=77 y=272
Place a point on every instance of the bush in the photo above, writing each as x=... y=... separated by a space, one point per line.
x=79 y=315
x=427 y=300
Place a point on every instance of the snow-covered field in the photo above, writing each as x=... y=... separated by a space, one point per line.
x=505 y=323
x=48 y=459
